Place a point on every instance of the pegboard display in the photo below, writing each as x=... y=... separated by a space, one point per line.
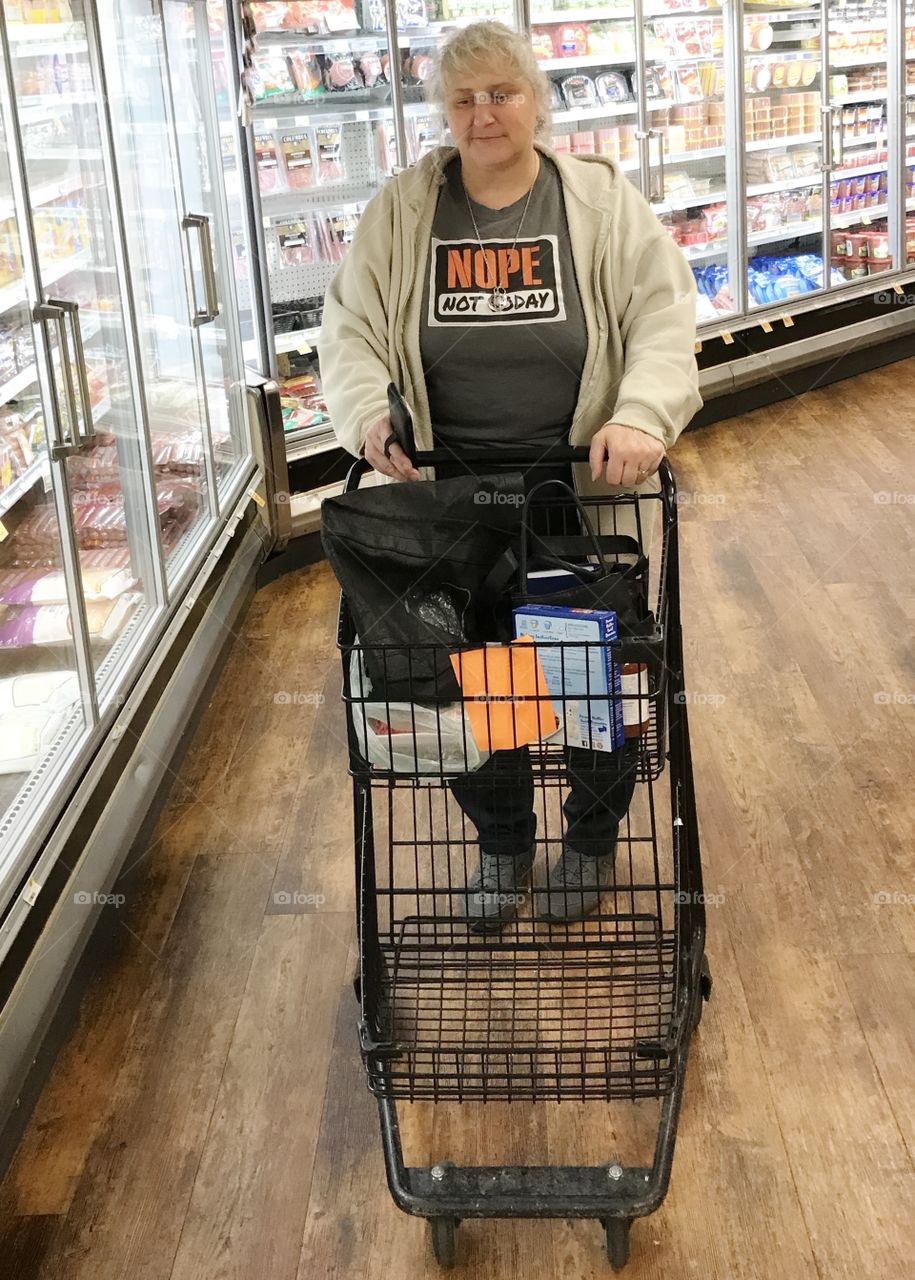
x=301 y=266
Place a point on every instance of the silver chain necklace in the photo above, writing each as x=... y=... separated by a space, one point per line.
x=498 y=298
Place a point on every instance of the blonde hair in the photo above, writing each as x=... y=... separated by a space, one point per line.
x=493 y=43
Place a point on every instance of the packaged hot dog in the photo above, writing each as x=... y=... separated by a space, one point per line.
x=296 y=242
x=340 y=75
x=370 y=68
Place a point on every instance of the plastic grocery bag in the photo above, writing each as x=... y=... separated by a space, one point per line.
x=406 y=737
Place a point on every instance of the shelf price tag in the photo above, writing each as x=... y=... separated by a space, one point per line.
x=766 y=326
x=727 y=337
x=787 y=321
x=898 y=288
x=4 y=532
x=698 y=345
x=258 y=498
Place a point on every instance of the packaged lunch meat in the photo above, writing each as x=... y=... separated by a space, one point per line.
x=329 y=140
x=578 y=92
x=296 y=243
x=542 y=42
x=340 y=75
x=297 y=158
x=557 y=102
x=370 y=68
x=611 y=86
x=305 y=70
x=339 y=229
x=266 y=159
x=571 y=40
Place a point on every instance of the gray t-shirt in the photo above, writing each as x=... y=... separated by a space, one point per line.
x=502 y=378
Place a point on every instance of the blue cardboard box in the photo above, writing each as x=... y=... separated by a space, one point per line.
x=583 y=680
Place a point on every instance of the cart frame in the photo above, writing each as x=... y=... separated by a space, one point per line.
x=613 y=1193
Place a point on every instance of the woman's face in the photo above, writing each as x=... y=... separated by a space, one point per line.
x=492 y=116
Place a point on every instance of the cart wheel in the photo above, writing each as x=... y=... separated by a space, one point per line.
x=617 y=1230
x=442 y=1232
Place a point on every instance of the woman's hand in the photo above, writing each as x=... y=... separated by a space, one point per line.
x=624 y=455
x=397 y=464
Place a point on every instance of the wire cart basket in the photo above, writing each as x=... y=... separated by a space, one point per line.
x=600 y=1008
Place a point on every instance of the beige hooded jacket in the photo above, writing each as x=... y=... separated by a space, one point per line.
x=637 y=292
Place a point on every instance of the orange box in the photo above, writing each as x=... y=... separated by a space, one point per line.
x=506 y=697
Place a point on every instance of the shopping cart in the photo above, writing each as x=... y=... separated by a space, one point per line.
x=596 y=1009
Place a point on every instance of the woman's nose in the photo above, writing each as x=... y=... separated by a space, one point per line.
x=482 y=110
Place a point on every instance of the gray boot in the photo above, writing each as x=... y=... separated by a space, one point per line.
x=495 y=889
x=574 y=887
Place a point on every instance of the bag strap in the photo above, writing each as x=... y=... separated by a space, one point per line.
x=571 y=544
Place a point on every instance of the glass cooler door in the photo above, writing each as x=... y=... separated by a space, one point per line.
x=91 y=427
x=206 y=221
x=170 y=302
x=858 y=40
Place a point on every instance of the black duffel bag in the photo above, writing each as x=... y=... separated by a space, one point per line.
x=411 y=559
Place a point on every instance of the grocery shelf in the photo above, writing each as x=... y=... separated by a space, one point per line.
x=694 y=202
x=38 y=469
x=596 y=113
x=299 y=115
x=18 y=383
x=814 y=226
x=860 y=95
x=44 y=193
x=837 y=64
x=295 y=340
x=597 y=13
x=25 y=377
x=589 y=60
x=13 y=294
x=47 y=105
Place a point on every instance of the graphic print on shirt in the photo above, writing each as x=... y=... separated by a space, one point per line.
x=463 y=275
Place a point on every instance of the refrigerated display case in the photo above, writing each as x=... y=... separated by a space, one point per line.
x=124 y=438
x=775 y=141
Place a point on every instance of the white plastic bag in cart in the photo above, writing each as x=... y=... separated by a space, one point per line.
x=408 y=738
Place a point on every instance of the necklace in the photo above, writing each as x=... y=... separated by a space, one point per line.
x=498 y=298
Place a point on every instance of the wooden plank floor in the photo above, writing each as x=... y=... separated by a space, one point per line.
x=208 y=1118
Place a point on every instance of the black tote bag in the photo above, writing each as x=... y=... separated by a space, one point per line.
x=411 y=558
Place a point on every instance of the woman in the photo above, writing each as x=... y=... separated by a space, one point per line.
x=518 y=297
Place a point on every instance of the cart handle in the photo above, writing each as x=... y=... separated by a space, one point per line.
x=517 y=458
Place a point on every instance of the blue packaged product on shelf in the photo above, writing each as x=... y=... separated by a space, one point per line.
x=583 y=680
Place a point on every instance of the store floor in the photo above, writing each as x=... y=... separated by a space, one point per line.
x=208 y=1117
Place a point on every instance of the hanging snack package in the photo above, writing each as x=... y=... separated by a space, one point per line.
x=267 y=163
x=340 y=74
x=296 y=242
x=297 y=158
x=271 y=76
x=329 y=139
x=305 y=70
